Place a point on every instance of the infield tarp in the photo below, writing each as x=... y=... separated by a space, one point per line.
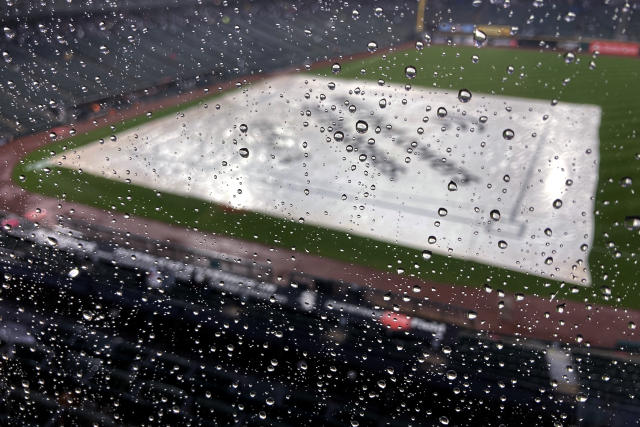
x=392 y=182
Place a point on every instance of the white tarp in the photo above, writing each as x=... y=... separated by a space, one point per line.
x=388 y=183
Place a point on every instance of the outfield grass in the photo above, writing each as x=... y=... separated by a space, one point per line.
x=612 y=84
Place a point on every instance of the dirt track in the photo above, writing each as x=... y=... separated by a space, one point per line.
x=601 y=326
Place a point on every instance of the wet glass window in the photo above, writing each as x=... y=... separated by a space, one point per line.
x=320 y=212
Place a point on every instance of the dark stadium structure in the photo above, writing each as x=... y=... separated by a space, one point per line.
x=103 y=342
x=63 y=62
x=104 y=328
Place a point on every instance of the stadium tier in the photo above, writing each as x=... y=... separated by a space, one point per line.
x=56 y=67
x=101 y=343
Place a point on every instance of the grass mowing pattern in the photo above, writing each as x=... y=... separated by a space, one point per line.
x=612 y=84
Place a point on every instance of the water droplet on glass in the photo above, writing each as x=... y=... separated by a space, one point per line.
x=419 y=45
x=362 y=126
x=426 y=254
x=569 y=57
x=464 y=95
x=331 y=85
x=472 y=315
x=378 y=12
x=475 y=59
x=431 y=239
x=372 y=46
x=581 y=397
x=451 y=375
x=73 y=273
x=382 y=103
x=502 y=244
x=570 y=17
x=338 y=136
x=548 y=232
x=452 y=186
x=479 y=37
x=442 y=112
x=557 y=203
x=508 y=134
x=632 y=222
x=442 y=212
x=626 y=182
x=495 y=215
x=87 y=315
x=336 y=68
x=244 y=152
x=244 y=128
x=410 y=71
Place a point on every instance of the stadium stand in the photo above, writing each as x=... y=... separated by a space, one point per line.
x=62 y=64
x=174 y=337
x=59 y=66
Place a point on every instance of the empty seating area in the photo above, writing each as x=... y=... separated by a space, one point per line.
x=105 y=346
x=55 y=65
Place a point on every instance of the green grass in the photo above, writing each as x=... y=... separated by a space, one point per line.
x=612 y=85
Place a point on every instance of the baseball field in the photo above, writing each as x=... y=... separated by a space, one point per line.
x=476 y=167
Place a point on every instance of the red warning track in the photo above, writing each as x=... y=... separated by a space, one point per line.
x=531 y=317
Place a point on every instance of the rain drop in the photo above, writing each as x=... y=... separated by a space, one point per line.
x=361 y=126
x=410 y=71
x=626 y=182
x=464 y=95
x=508 y=134
x=479 y=37
x=569 y=57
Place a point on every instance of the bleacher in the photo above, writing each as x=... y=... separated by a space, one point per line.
x=107 y=345
x=91 y=335
x=56 y=64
